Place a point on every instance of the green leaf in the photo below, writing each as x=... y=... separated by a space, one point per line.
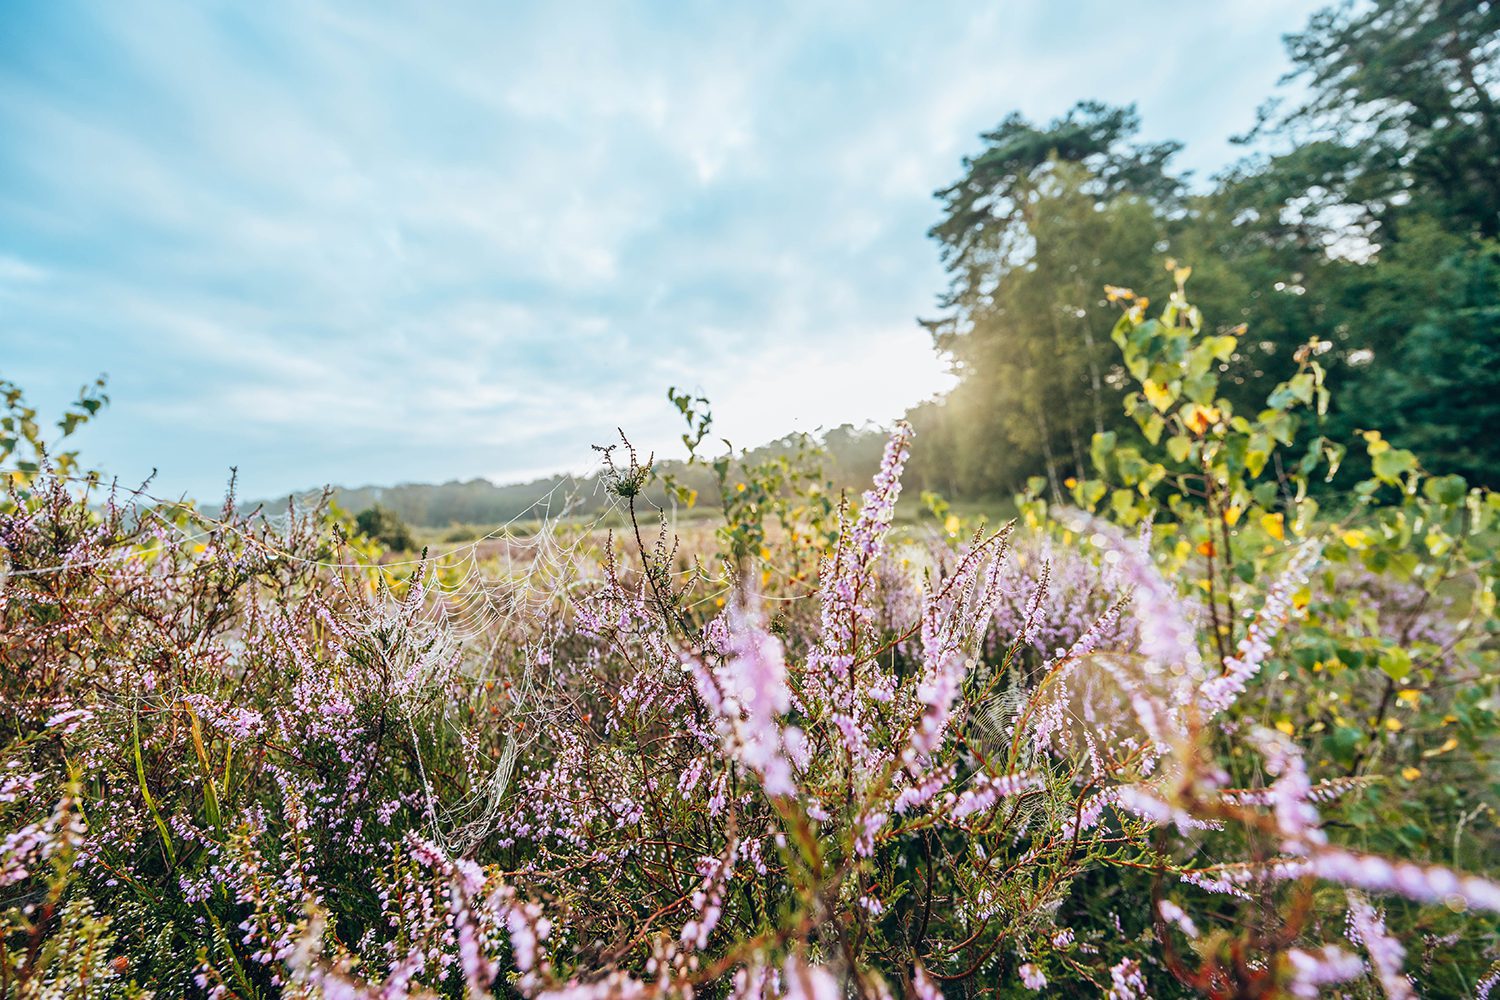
x=1152 y=427
x=1389 y=465
x=1446 y=490
x=1396 y=662
x=1099 y=450
x=1089 y=493
x=1132 y=466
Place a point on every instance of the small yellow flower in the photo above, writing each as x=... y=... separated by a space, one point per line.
x=1410 y=773
x=1286 y=727
x=1393 y=724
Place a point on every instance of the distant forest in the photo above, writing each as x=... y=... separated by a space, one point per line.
x=1362 y=223
x=848 y=457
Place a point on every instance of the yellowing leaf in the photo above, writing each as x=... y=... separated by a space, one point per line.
x=1394 y=725
x=1409 y=695
x=1301 y=598
x=1200 y=418
x=1410 y=773
x=1274 y=525
x=951 y=525
x=1451 y=743
x=1158 y=396
x=1232 y=514
x=1374 y=443
x=1286 y=726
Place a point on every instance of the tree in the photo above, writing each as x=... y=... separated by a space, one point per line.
x=1401 y=116
x=1441 y=384
x=1379 y=213
x=1042 y=219
x=386 y=528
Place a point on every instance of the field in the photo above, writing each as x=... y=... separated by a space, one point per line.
x=1186 y=733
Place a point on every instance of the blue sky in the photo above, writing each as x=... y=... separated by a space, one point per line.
x=376 y=243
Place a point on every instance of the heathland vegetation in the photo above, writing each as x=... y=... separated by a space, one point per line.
x=1214 y=714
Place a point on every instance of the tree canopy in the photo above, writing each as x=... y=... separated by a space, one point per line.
x=1362 y=220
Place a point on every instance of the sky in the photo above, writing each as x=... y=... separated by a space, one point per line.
x=370 y=243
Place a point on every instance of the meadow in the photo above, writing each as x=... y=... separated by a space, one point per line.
x=1189 y=732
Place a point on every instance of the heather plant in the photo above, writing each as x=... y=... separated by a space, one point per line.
x=1191 y=735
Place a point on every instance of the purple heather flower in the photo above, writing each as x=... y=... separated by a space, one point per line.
x=922 y=986
x=985 y=791
x=1032 y=977
x=1367 y=928
x=1126 y=981
x=1218 y=693
x=1313 y=970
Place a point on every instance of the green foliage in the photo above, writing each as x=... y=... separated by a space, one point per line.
x=24 y=447
x=383 y=526
x=1365 y=222
x=1041 y=220
x=783 y=486
x=1400 y=117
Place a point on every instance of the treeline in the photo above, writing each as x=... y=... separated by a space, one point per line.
x=1363 y=221
x=848 y=456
